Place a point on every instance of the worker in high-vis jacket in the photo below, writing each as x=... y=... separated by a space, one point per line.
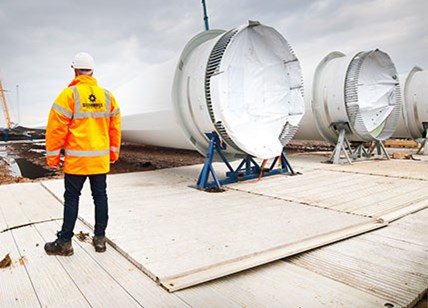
x=84 y=123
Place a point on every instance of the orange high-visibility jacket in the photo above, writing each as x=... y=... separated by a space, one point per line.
x=85 y=121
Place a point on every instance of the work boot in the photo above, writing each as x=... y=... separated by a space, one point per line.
x=99 y=243
x=59 y=247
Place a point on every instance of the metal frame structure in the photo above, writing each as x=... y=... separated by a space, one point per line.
x=246 y=170
x=380 y=148
x=344 y=145
x=4 y=104
x=6 y=113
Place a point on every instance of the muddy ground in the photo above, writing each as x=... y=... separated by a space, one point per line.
x=133 y=158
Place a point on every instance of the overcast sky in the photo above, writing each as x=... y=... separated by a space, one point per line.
x=39 y=38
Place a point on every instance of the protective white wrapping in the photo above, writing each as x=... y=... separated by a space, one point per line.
x=244 y=84
x=376 y=91
x=258 y=91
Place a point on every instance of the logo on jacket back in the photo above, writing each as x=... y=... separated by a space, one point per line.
x=93 y=104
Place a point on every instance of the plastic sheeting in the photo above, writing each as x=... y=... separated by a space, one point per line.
x=376 y=92
x=259 y=91
x=245 y=84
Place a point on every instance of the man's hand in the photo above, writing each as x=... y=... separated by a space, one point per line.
x=56 y=167
x=112 y=162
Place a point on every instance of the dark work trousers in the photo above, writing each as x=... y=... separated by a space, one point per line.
x=73 y=187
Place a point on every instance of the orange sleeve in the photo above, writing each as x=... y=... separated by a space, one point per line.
x=114 y=130
x=57 y=128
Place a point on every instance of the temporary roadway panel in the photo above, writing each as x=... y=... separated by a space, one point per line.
x=181 y=236
x=366 y=188
x=391 y=263
x=86 y=279
x=26 y=203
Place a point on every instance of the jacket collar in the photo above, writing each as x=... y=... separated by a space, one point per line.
x=83 y=79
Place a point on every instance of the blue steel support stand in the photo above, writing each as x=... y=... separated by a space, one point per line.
x=6 y=134
x=246 y=170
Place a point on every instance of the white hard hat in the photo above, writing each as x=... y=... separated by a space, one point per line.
x=83 y=60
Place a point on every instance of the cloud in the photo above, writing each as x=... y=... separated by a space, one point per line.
x=352 y=26
x=39 y=38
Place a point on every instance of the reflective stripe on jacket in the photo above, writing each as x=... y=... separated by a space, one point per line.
x=85 y=121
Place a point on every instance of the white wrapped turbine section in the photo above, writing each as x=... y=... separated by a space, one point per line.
x=415 y=103
x=360 y=90
x=244 y=84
